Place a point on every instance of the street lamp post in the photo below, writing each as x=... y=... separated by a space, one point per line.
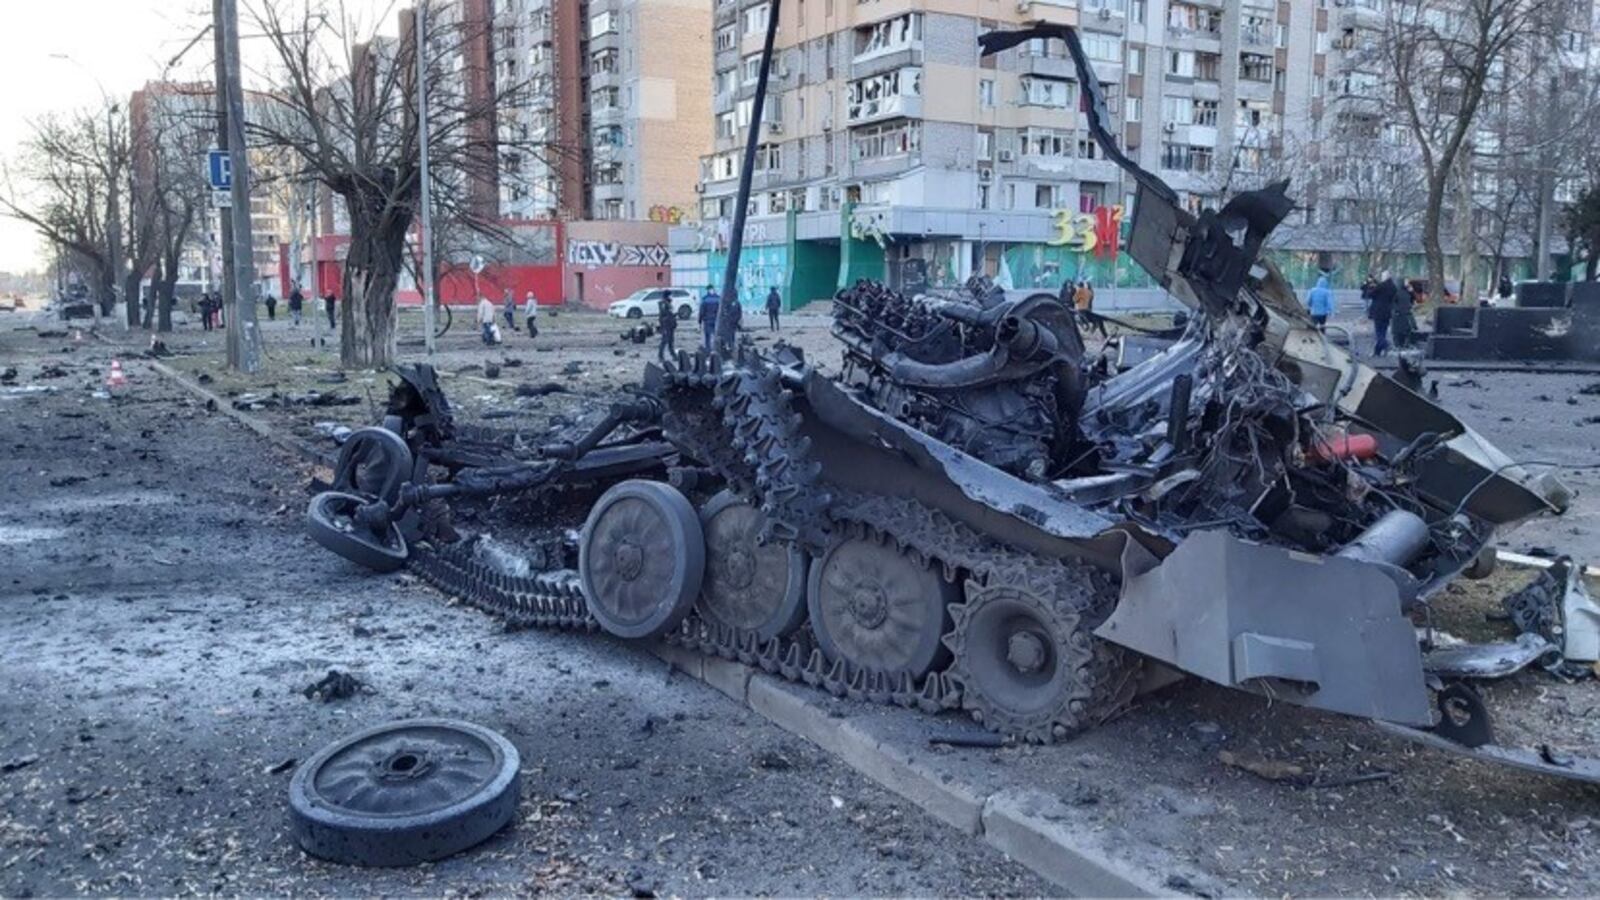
x=427 y=206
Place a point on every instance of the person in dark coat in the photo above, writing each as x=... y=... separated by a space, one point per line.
x=774 y=306
x=331 y=304
x=205 y=312
x=1380 y=309
x=297 y=302
x=1402 y=325
x=272 y=308
x=667 y=329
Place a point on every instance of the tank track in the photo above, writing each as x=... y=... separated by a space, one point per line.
x=755 y=445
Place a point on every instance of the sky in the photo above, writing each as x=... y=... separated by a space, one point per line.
x=112 y=47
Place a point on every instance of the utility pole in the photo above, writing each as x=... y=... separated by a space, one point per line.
x=725 y=336
x=427 y=205
x=244 y=339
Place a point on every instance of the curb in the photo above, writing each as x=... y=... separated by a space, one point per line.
x=218 y=404
x=1028 y=826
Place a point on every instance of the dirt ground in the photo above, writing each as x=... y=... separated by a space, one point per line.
x=161 y=610
x=1426 y=824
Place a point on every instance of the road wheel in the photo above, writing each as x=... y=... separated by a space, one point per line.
x=749 y=585
x=641 y=557
x=404 y=793
x=636 y=313
x=876 y=607
x=685 y=312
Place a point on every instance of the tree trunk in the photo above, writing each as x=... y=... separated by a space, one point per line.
x=130 y=295
x=1430 y=236
x=371 y=274
x=1590 y=267
x=1466 y=233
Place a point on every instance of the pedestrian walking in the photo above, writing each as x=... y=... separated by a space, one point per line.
x=774 y=305
x=330 y=303
x=297 y=302
x=486 y=320
x=509 y=305
x=1320 y=302
x=1083 y=297
x=1402 y=324
x=667 y=330
x=530 y=312
x=272 y=308
x=1380 y=308
x=709 y=302
x=205 y=312
x=1505 y=286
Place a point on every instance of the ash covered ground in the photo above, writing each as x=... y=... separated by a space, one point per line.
x=161 y=610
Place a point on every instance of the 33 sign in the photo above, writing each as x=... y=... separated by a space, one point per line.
x=1098 y=232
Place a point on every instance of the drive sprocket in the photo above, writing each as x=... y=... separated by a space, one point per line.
x=1026 y=657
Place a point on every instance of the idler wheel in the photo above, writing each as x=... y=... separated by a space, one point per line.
x=876 y=607
x=748 y=585
x=641 y=558
x=404 y=793
x=336 y=521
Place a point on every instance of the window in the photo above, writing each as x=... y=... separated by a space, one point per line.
x=602 y=23
x=1088 y=148
x=769 y=158
x=1251 y=114
x=881 y=95
x=1044 y=196
x=727 y=81
x=1254 y=30
x=1177 y=110
x=1137 y=11
x=1046 y=142
x=1052 y=92
x=986 y=93
x=1102 y=47
x=727 y=36
x=755 y=19
x=1255 y=67
x=1135 y=60
x=1186 y=158
x=1180 y=63
x=1089 y=197
x=903 y=32
x=1207 y=66
x=725 y=125
x=603 y=99
x=752 y=68
x=1130 y=109
x=604 y=61
x=985 y=145
x=886 y=141
x=745 y=110
x=1205 y=113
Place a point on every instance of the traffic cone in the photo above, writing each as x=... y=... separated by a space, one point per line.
x=117 y=378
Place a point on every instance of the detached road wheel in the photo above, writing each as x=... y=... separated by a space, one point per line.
x=333 y=520
x=641 y=557
x=373 y=461
x=404 y=793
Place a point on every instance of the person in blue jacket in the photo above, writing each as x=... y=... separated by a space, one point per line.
x=709 y=301
x=1320 y=302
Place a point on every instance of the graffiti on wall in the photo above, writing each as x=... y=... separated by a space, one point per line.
x=594 y=254
x=672 y=215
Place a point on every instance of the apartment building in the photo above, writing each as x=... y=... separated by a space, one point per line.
x=897 y=149
x=613 y=95
x=890 y=149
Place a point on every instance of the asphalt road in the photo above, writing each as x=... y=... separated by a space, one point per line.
x=161 y=610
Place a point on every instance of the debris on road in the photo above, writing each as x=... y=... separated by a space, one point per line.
x=335 y=685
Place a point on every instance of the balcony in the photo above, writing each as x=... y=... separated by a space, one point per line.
x=878 y=62
x=890 y=107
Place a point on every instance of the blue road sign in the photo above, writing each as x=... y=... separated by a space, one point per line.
x=219 y=166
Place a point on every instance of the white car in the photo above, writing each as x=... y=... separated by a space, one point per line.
x=647 y=302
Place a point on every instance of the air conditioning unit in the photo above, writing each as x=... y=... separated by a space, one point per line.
x=1169 y=127
x=1105 y=14
x=985 y=175
x=1022 y=5
x=827 y=123
x=1007 y=155
x=699 y=188
x=775 y=128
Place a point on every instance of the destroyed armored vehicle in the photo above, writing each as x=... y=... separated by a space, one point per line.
x=976 y=514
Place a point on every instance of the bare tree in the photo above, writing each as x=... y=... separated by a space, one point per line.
x=72 y=171
x=1444 y=56
x=345 y=106
x=180 y=131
